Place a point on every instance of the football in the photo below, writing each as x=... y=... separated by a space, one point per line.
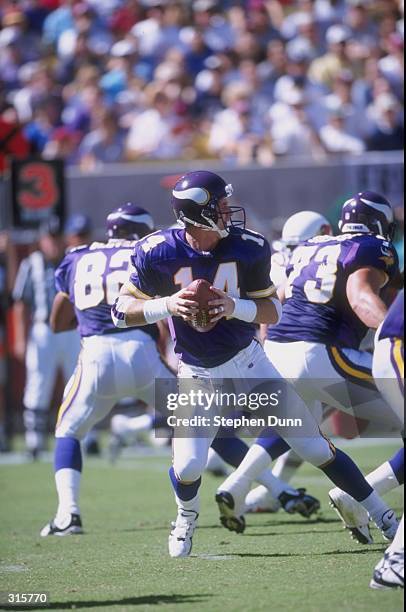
x=202 y=294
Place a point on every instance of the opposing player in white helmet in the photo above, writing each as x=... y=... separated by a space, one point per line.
x=297 y=229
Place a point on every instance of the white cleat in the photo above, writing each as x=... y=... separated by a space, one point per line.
x=390 y=572
x=353 y=515
x=261 y=500
x=71 y=525
x=388 y=525
x=181 y=536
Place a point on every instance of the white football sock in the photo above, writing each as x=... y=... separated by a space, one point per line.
x=215 y=462
x=375 y=506
x=191 y=505
x=383 y=479
x=67 y=486
x=255 y=462
x=287 y=465
x=275 y=486
x=398 y=544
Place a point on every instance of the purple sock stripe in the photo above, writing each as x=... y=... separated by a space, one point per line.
x=231 y=449
x=397 y=463
x=67 y=454
x=272 y=443
x=346 y=475
x=185 y=492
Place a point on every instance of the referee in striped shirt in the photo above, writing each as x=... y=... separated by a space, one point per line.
x=44 y=351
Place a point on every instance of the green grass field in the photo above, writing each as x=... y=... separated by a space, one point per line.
x=121 y=563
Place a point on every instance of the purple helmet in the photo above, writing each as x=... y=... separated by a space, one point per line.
x=130 y=222
x=195 y=201
x=368 y=212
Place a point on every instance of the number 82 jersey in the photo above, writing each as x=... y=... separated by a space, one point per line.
x=316 y=308
x=91 y=277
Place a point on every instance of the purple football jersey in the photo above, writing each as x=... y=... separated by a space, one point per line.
x=164 y=262
x=92 y=276
x=394 y=324
x=316 y=307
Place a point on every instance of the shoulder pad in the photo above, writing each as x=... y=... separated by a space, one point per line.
x=77 y=249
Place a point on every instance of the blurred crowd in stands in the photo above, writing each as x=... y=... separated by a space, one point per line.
x=106 y=81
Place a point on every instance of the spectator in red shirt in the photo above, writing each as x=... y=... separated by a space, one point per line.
x=13 y=143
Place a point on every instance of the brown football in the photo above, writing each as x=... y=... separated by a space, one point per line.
x=202 y=294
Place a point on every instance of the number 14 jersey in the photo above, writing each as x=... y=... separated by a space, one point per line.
x=165 y=262
x=316 y=307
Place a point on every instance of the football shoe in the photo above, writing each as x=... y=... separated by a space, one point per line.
x=229 y=517
x=181 y=536
x=299 y=503
x=390 y=572
x=352 y=514
x=72 y=525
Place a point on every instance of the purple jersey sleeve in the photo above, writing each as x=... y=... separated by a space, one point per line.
x=258 y=282
x=142 y=283
x=62 y=275
x=372 y=253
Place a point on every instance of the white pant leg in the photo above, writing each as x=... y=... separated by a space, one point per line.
x=340 y=378
x=110 y=368
x=41 y=367
x=68 y=346
x=389 y=372
x=190 y=452
x=307 y=441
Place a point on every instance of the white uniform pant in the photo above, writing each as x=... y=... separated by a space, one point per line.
x=110 y=368
x=341 y=378
x=389 y=373
x=190 y=453
x=46 y=353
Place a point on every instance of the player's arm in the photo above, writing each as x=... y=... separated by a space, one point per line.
x=21 y=318
x=132 y=311
x=63 y=316
x=363 y=293
x=261 y=311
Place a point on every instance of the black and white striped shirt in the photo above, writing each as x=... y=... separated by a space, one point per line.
x=35 y=286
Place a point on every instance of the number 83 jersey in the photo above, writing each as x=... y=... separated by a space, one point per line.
x=91 y=277
x=316 y=307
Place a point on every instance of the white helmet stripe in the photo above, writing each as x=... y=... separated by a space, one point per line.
x=383 y=208
x=197 y=194
x=145 y=219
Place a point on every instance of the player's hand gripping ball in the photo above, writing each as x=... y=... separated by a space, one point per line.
x=201 y=293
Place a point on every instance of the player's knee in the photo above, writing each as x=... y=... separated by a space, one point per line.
x=317 y=452
x=67 y=431
x=188 y=471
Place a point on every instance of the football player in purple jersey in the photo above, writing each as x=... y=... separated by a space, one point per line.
x=332 y=299
x=113 y=364
x=389 y=374
x=212 y=245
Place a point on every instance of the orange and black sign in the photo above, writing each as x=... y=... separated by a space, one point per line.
x=38 y=190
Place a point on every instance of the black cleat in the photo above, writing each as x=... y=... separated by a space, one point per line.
x=228 y=518
x=299 y=503
x=73 y=527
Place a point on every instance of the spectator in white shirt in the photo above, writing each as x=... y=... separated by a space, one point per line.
x=336 y=139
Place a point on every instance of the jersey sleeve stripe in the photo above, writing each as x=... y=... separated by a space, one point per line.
x=262 y=293
x=137 y=292
x=68 y=401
